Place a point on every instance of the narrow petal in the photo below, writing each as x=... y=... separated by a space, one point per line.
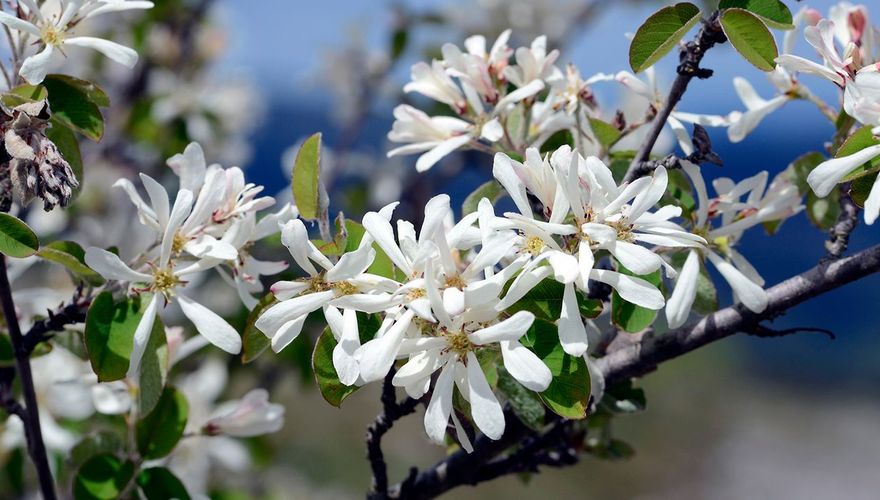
x=485 y=408
x=377 y=355
x=287 y=333
x=427 y=160
x=525 y=366
x=678 y=307
x=572 y=334
x=631 y=288
x=35 y=67
x=636 y=258
x=279 y=314
x=142 y=337
x=111 y=267
x=440 y=406
x=503 y=171
x=211 y=326
x=120 y=53
x=512 y=328
x=750 y=294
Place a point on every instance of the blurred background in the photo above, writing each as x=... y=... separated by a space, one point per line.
x=794 y=417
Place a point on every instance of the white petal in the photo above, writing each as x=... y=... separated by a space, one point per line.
x=572 y=334
x=440 y=406
x=343 y=354
x=377 y=355
x=751 y=295
x=511 y=328
x=142 y=337
x=485 y=408
x=111 y=267
x=825 y=177
x=636 y=258
x=678 y=307
x=206 y=246
x=181 y=208
x=211 y=326
x=273 y=318
x=439 y=151
x=525 y=366
x=872 y=204
x=503 y=171
x=630 y=288
x=18 y=24
x=351 y=264
x=119 y=53
x=35 y=67
x=380 y=229
x=288 y=333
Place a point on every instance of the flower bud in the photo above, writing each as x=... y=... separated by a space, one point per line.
x=253 y=415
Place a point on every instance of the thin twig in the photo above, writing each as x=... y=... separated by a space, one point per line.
x=392 y=412
x=690 y=57
x=838 y=235
x=33 y=433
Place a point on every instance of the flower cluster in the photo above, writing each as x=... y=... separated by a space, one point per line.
x=53 y=31
x=212 y=224
x=455 y=285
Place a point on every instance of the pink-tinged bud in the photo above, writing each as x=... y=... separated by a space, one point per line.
x=857 y=22
x=253 y=415
x=812 y=17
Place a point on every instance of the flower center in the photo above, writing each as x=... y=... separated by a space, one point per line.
x=164 y=282
x=415 y=293
x=344 y=288
x=459 y=343
x=455 y=282
x=52 y=35
x=177 y=243
x=623 y=228
x=534 y=245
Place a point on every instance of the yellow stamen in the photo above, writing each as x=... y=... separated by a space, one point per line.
x=344 y=288
x=459 y=343
x=164 y=282
x=534 y=245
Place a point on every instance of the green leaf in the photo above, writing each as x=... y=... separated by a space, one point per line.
x=823 y=212
x=606 y=133
x=678 y=193
x=109 y=334
x=334 y=391
x=750 y=37
x=628 y=316
x=554 y=142
x=65 y=140
x=74 y=104
x=24 y=94
x=569 y=392
x=798 y=170
x=545 y=302
x=624 y=398
x=860 y=189
x=154 y=369
x=158 y=433
x=861 y=139
x=72 y=256
x=306 y=178
x=92 y=92
x=491 y=190
x=16 y=238
x=102 y=476
x=772 y=12
x=526 y=404
x=659 y=34
x=159 y=483
x=253 y=341
x=7 y=353
x=102 y=442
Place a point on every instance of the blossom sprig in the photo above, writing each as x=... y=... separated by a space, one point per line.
x=53 y=31
x=211 y=224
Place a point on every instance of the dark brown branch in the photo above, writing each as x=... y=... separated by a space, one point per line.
x=635 y=359
x=689 y=68
x=31 y=414
x=65 y=315
x=391 y=413
x=770 y=333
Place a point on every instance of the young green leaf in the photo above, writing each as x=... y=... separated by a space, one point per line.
x=75 y=104
x=306 y=178
x=750 y=37
x=861 y=188
x=159 y=431
x=772 y=12
x=72 y=256
x=24 y=94
x=491 y=190
x=606 y=133
x=95 y=444
x=569 y=392
x=102 y=477
x=16 y=238
x=659 y=34
x=159 y=483
x=526 y=404
x=110 y=332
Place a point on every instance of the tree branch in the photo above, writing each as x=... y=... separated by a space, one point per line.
x=70 y=314
x=635 y=359
x=689 y=67
x=392 y=412
x=838 y=235
x=31 y=413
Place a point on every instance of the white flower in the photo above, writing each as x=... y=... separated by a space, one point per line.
x=54 y=33
x=253 y=415
x=824 y=178
x=166 y=276
x=435 y=136
x=283 y=321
